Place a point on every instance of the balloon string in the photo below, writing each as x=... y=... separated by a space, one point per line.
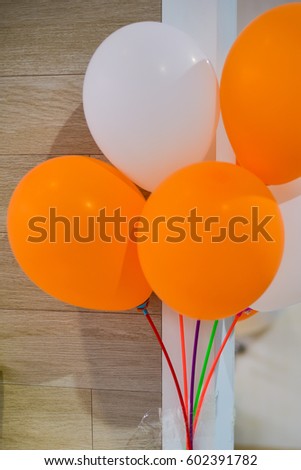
x=143 y=307
x=192 y=379
x=174 y=378
x=212 y=370
x=204 y=367
x=184 y=360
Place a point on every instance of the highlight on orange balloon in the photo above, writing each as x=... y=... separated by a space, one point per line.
x=68 y=227
x=215 y=240
x=260 y=95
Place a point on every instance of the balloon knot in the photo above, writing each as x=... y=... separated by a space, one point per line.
x=143 y=307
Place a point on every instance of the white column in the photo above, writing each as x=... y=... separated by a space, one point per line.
x=213 y=24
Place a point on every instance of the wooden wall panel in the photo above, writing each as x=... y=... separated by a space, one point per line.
x=56 y=37
x=43 y=115
x=100 y=350
x=52 y=355
x=45 y=418
x=119 y=427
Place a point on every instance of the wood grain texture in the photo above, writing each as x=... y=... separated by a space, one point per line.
x=45 y=418
x=97 y=350
x=43 y=115
x=58 y=37
x=126 y=420
x=53 y=354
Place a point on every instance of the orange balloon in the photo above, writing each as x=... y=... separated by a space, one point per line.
x=260 y=95
x=61 y=233
x=216 y=240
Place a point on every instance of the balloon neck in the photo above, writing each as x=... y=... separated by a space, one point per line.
x=143 y=307
x=247 y=311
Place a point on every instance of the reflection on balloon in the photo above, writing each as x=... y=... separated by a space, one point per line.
x=151 y=101
x=56 y=234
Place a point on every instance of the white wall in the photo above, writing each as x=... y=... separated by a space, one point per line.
x=247 y=10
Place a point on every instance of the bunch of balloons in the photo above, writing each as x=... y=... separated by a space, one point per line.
x=212 y=239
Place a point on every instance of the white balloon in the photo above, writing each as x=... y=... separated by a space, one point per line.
x=151 y=103
x=285 y=289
